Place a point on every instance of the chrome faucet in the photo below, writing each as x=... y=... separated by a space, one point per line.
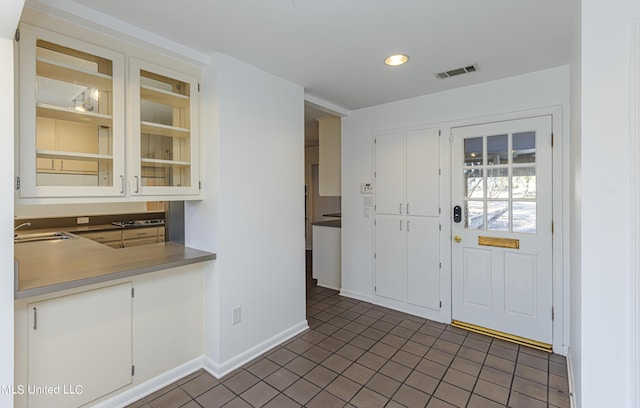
x=24 y=224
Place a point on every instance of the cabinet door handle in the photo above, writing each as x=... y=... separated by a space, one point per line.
x=400 y=209
x=137 y=184
x=407 y=210
x=408 y=225
x=400 y=225
x=121 y=184
x=35 y=318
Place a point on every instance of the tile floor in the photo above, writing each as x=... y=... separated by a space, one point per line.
x=360 y=355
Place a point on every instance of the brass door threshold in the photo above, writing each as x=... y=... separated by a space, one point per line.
x=503 y=336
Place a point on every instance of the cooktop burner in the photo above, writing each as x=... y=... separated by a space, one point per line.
x=137 y=223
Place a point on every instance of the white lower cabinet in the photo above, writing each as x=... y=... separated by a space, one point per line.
x=389 y=261
x=167 y=320
x=423 y=262
x=407 y=263
x=79 y=347
x=89 y=346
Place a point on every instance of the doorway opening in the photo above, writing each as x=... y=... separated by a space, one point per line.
x=322 y=196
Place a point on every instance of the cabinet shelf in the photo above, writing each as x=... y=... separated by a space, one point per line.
x=163 y=130
x=55 y=154
x=165 y=163
x=156 y=95
x=52 y=69
x=71 y=115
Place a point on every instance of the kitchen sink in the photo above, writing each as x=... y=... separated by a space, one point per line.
x=43 y=236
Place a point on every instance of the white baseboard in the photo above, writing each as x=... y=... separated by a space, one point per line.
x=219 y=370
x=137 y=392
x=327 y=286
x=572 y=385
x=148 y=387
x=356 y=295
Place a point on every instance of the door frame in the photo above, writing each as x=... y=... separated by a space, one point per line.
x=560 y=206
x=497 y=308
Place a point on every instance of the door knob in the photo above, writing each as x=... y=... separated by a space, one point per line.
x=457 y=238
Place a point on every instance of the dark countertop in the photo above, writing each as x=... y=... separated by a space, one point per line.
x=50 y=266
x=330 y=223
x=334 y=215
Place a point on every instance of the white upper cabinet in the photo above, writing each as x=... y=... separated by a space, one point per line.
x=329 y=133
x=164 y=131
x=72 y=117
x=422 y=183
x=78 y=142
x=389 y=173
x=407 y=173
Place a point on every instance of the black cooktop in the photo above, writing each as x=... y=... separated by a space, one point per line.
x=138 y=223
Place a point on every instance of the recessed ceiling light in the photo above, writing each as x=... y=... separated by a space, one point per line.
x=397 y=59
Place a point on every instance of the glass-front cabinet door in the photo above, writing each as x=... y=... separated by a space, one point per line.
x=164 y=131
x=71 y=117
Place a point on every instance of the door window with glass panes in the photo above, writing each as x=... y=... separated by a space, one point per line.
x=500 y=182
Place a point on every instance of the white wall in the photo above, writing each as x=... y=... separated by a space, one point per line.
x=605 y=359
x=9 y=15
x=575 y=206
x=536 y=90
x=252 y=216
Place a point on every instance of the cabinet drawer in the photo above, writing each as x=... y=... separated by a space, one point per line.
x=139 y=242
x=78 y=167
x=45 y=164
x=114 y=244
x=103 y=236
x=139 y=233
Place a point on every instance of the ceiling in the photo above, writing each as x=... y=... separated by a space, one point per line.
x=335 y=48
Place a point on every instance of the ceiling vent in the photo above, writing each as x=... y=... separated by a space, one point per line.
x=458 y=71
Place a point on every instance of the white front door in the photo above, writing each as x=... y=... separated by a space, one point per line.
x=502 y=241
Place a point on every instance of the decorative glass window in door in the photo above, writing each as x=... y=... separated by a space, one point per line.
x=500 y=182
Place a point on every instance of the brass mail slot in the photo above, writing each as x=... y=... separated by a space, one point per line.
x=499 y=242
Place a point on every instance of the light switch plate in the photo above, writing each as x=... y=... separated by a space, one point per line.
x=366 y=188
x=83 y=220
